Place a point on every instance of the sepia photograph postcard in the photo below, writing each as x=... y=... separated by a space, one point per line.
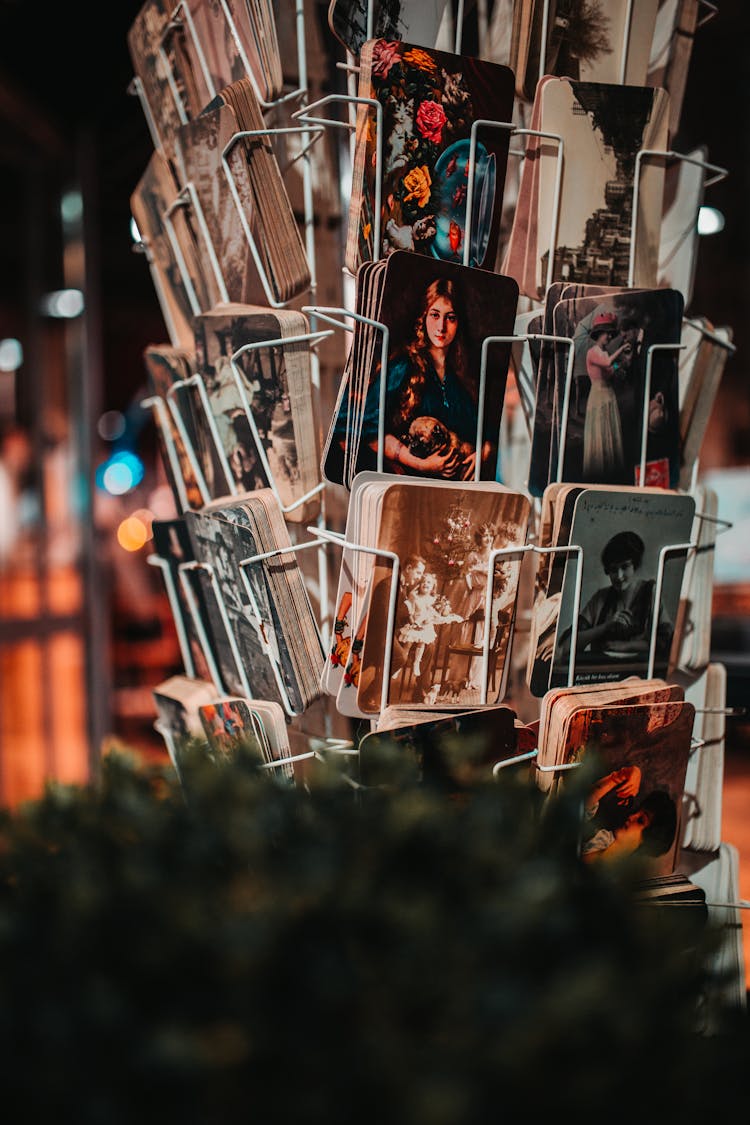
x=625 y=538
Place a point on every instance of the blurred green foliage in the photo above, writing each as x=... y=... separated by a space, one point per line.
x=241 y=949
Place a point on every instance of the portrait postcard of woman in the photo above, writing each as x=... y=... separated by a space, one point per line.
x=625 y=537
x=437 y=396
x=608 y=391
x=635 y=804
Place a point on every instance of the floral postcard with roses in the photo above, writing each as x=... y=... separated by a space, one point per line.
x=416 y=147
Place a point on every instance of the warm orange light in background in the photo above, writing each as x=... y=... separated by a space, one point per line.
x=43 y=733
x=135 y=531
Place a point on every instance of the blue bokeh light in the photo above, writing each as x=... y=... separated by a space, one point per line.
x=120 y=473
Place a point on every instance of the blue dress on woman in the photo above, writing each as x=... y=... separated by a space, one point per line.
x=448 y=400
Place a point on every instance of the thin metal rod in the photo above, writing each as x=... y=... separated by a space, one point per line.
x=577 y=550
x=647 y=399
x=666 y=550
x=174 y=605
x=162 y=421
x=668 y=154
x=206 y=647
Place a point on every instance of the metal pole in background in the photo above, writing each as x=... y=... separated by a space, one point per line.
x=86 y=377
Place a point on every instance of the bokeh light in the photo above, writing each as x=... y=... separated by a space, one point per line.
x=111 y=425
x=710 y=221
x=132 y=534
x=122 y=472
x=11 y=354
x=63 y=304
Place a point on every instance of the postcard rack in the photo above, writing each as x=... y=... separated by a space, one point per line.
x=188 y=198
x=197 y=381
x=310 y=126
x=263 y=628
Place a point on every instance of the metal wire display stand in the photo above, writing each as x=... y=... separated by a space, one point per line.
x=167 y=413
x=311 y=126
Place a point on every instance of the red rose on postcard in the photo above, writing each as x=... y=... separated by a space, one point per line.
x=431 y=121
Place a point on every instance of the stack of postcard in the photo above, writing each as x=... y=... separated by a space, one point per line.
x=577 y=217
x=636 y=738
x=425 y=608
x=704 y=784
x=191 y=713
x=183 y=282
x=569 y=716
x=233 y=725
x=178 y=700
x=413 y=150
x=238 y=197
x=453 y=750
x=588 y=42
x=259 y=413
x=238 y=38
x=647 y=350
x=179 y=433
x=173 y=554
x=717 y=873
x=606 y=388
x=607 y=556
x=183 y=55
x=440 y=398
x=265 y=635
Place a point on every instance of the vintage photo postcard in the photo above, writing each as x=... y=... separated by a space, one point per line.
x=434 y=411
x=635 y=804
x=624 y=537
x=262 y=414
x=444 y=537
x=591 y=233
x=618 y=401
